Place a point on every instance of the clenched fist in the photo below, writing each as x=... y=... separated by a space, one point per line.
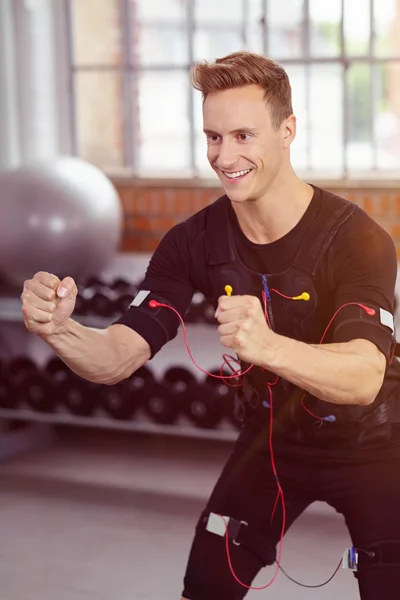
x=47 y=303
x=244 y=329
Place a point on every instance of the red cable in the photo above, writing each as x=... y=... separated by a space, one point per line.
x=281 y=496
x=369 y=311
x=280 y=294
x=239 y=373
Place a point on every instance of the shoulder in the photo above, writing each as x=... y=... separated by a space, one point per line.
x=362 y=251
x=194 y=230
x=189 y=238
x=359 y=229
x=199 y=221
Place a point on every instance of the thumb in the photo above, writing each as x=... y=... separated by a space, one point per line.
x=67 y=286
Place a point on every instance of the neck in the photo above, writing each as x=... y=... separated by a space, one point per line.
x=273 y=215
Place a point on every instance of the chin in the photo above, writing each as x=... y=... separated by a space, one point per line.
x=237 y=196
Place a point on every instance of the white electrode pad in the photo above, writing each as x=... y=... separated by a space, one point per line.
x=217 y=524
x=140 y=296
x=387 y=319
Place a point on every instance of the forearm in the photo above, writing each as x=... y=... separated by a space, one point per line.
x=98 y=355
x=338 y=373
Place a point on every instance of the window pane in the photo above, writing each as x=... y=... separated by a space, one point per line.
x=387 y=27
x=159 y=10
x=164 y=142
x=96 y=32
x=284 y=20
x=357 y=26
x=298 y=80
x=359 y=124
x=162 y=44
x=325 y=27
x=326 y=118
x=214 y=44
x=98 y=116
x=254 y=26
x=221 y=11
x=387 y=118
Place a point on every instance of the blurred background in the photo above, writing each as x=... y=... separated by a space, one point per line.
x=102 y=152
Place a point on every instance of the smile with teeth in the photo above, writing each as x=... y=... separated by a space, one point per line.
x=236 y=175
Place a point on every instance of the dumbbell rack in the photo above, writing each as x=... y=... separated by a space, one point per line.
x=10 y=311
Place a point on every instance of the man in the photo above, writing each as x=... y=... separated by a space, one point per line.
x=305 y=267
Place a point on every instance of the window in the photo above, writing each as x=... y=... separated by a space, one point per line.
x=133 y=107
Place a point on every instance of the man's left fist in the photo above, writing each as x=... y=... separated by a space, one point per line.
x=243 y=328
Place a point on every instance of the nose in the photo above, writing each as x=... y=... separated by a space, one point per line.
x=227 y=155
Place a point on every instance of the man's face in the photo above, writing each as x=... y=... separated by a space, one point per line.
x=243 y=147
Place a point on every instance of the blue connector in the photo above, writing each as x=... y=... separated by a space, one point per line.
x=266 y=288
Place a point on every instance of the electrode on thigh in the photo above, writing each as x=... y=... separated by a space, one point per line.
x=241 y=534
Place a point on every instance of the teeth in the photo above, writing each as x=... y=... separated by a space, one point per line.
x=237 y=174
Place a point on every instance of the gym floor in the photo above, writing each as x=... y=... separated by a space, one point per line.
x=110 y=516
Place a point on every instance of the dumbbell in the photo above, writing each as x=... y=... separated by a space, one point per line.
x=72 y=392
x=140 y=380
x=159 y=403
x=224 y=394
x=81 y=305
x=178 y=379
x=79 y=396
x=7 y=399
x=30 y=385
x=120 y=401
x=163 y=402
x=57 y=370
x=99 y=298
x=201 y=407
x=124 y=292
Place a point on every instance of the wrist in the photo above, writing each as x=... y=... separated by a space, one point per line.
x=62 y=330
x=274 y=353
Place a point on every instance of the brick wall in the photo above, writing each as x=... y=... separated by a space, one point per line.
x=153 y=207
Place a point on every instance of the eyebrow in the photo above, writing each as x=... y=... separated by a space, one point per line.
x=240 y=130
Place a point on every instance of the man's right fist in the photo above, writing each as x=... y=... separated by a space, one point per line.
x=47 y=303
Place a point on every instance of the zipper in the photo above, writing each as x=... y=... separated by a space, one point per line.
x=264 y=280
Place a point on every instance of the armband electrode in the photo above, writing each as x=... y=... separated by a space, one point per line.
x=157 y=325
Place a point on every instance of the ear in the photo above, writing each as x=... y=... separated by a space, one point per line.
x=288 y=131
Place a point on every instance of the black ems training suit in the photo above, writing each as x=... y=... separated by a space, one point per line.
x=351 y=460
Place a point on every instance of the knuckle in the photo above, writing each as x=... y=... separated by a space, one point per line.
x=243 y=327
x=253 y=301
x=237 y=339
x=26 y=287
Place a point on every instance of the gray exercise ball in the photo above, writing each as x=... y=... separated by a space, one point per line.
x=63 y=216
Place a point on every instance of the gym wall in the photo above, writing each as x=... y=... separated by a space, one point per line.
x=152 y=207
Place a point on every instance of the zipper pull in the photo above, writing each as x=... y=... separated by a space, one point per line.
x=266 y=288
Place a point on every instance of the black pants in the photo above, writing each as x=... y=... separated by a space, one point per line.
x=366 y=494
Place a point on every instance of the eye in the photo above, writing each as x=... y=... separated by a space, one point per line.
x=212 y=138
x=243 y=137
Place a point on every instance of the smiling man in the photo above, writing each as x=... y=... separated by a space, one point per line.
x=311 y=320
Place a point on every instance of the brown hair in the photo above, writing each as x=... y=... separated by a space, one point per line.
x=244 y=68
